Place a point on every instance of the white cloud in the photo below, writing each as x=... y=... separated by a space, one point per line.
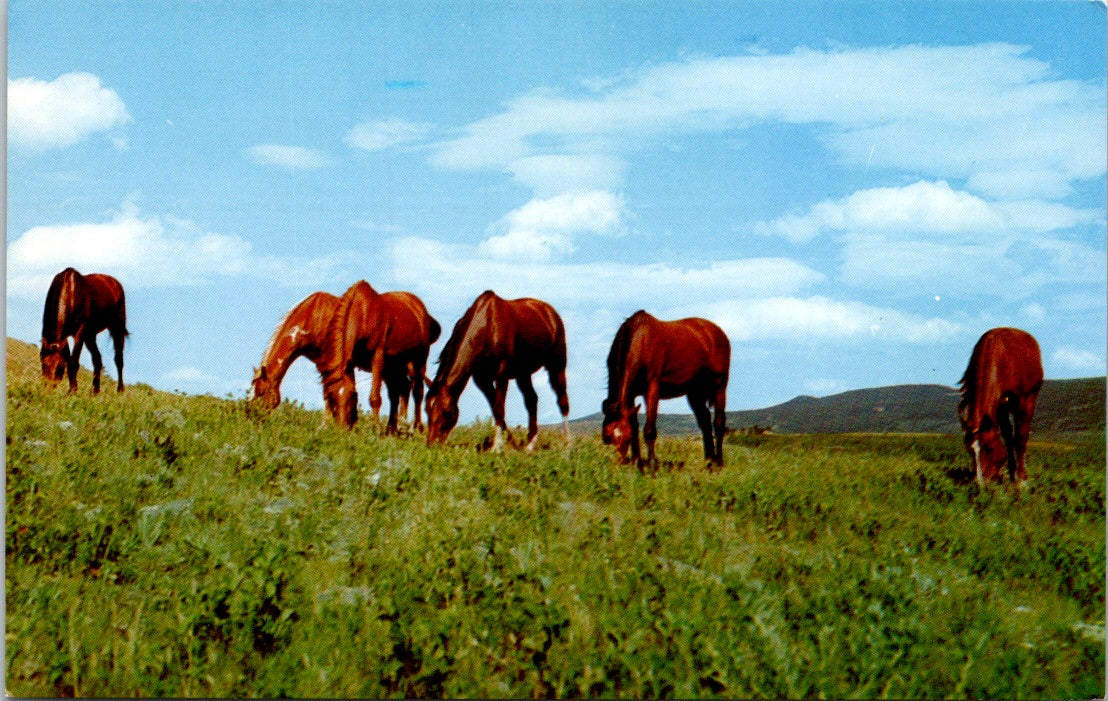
x=1069 y=360
x=1003 y=268
x=553 y=173
x=442 y=274
x=821 y=319
x=143 y=251
x=288 y=157
x=929 y=208
x=62 y=112
x=387 y=133
x=996 y=124
x=543 y=227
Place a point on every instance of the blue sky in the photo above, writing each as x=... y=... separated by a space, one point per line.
x=854 y=191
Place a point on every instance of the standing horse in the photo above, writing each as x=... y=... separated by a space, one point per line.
x=303 y=333
x=389 y=334
x=300 y=333
x=662 y=360
x=999 y=391
x=495 y=341
x=81 y=306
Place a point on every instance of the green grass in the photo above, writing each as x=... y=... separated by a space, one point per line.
x=163 y=545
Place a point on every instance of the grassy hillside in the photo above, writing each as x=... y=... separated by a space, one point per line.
x=1064 y=406
x=164 y=545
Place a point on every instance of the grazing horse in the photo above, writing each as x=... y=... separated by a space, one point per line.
x=662 y=360
x=81 y=306
x=302 y=333
x=390 y=335
x=999 y=391
x=495 y=341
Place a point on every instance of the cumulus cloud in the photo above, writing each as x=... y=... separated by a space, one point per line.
x=821 y=319
x=1007 y=122
x=143 y=251
x=288 y=157
x=443 y=273
x=386 y=133
x=61 y=112
x=930 y=208
x=543 y=227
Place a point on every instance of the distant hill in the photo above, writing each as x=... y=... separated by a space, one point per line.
x=1064 y=405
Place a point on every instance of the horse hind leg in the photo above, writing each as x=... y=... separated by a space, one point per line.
x=699 y=407
x=719 y=424
x=119 y=337
x=97 y=364
x=1022 y=417
x=558 y=384
x=531 y=401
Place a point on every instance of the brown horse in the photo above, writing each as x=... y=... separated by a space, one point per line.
x=81 y=306
x=662 y=360
x=388 y=334
x=495 y=341
x=302 y=333
x=999 y=391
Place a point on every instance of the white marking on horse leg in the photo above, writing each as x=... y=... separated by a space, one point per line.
x=530 y=448
x=565 y=429
x=497 y=446
x=977 y=462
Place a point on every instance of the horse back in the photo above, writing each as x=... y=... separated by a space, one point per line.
x=410 y=325
x=1004 y=362
x=680 y=351
x=532 y=323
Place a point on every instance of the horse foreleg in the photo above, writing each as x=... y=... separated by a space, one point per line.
x=75 y=359
x=488 y=387
x=633 y=422
x=416 y=376
x=650 y=427
x=377 y=367
x=1005 y=419
x=97 y=363
x=531 y=401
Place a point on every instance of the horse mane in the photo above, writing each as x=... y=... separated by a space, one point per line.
x=52 y=312
x=338 y=346
x=621 y=347
x=277 y=334
x=449 y=355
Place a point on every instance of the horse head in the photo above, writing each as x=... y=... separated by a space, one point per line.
x=342 y=401
x=987 y=450
x=442 y=413
x=616 y=429
x=264 y=390
x=54 y=358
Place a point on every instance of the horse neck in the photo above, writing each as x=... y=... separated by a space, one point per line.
x=358 y=310
x=61 y=304
x=462 y=351
x=621 y=368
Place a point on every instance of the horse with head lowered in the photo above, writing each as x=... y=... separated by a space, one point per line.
x=999 y=390
x=657 y=360
x=390 y=334
x=79 y=307
x=498 y=340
